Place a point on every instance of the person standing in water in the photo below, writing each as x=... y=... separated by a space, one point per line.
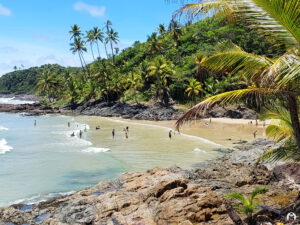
x=68 y=124
x=170 y=134
x=113 y=133
x=80 y=134
x=254 y=134
x=34 y=123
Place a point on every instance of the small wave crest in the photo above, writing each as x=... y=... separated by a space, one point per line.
x=41 y=198
x=4 y=147
x=3 y=128
x=199 y=150
x=95 y=150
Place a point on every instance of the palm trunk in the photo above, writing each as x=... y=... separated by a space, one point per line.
x=293 y=108
x=98 y=50
x=88 y=71
x=112 y=52
x=92 y=51
x=105 y=50
x=81 y=62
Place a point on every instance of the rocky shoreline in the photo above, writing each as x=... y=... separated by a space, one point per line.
x=173 y=195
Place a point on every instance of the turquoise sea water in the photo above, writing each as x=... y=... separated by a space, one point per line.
x=43 y=161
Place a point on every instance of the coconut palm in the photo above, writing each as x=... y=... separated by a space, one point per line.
x=154 y=45
x=249 y=206
x=176 y=31
x=47 y=84
x=162 y=70
x=90 y=39
x=78 y=46
x=98 y=36
x=112 y=37
x=280 y=130
x=134 y=82
x=107 y=26
x=273 y=78
x=161 y=29
x=194 y=88
x=75 y=32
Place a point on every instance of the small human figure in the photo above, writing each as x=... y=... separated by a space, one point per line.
x=73 y=134
x=113 y=133
x=210 y=120
x=126 y=134
x=98 y=128
x=80 y=134
x=170 y=134
x=256 y=122
x=85 y=130
x=68 y=124
x=251 y=122
x=127 y=129
x=34 y=123
x=254 y=134
x=175 y=117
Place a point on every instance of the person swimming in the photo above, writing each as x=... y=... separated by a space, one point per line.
x=113 y=133
x=127 y=129
x=73 y=134
x=85 y=130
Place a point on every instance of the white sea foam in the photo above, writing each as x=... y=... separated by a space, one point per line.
x=199 y=150
x=14 y=101
x=3 y=128
x=40 y=198
x=95 y=150
x=4 y=147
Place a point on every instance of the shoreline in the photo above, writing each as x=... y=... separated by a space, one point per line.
x=154 y=196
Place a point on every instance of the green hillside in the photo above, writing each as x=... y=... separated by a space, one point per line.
x=130 y=77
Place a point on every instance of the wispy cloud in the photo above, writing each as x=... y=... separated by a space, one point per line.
x=4 y=11
x=95 y=11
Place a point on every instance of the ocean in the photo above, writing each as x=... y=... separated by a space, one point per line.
x=43 y=161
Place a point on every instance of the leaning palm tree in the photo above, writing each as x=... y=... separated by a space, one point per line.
x=78 y=46
x=273 y=78
x=112 y=37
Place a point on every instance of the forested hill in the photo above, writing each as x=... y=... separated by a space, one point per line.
x=24 y=81
x=179 y=46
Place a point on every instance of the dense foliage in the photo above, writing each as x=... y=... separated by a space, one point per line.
x=135 y=73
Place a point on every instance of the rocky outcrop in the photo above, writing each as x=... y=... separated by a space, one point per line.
x=160 y=196
x=28 y=109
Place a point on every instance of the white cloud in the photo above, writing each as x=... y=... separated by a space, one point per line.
x=93 y=10
x=4 y=11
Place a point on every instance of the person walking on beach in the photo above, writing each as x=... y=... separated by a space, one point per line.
x=170 y=134
x=254 y=134
x=80 y=134
x=113 y=133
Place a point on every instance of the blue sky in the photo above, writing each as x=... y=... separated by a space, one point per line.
x=35 y=32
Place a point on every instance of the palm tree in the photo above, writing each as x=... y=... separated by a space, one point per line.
x=90 y=38
x=98 y=36
x=249 y=205
x=107 y=26
x=47 y=84
x=175 y=28
x=154 y=45
x=194 y=88
x=280 y=130
x=161 y=29
x=78 y=47
x=275 y=78
x=75 y=32
x=134 y=82
x=162 y=70
x=112 y=37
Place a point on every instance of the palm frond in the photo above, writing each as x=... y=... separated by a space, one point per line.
x=223 y=98
x=257 y=191
x=289 y=152
x=238 y=196
x=247 y=64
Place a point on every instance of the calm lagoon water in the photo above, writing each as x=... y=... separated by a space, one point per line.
x=43 y=161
